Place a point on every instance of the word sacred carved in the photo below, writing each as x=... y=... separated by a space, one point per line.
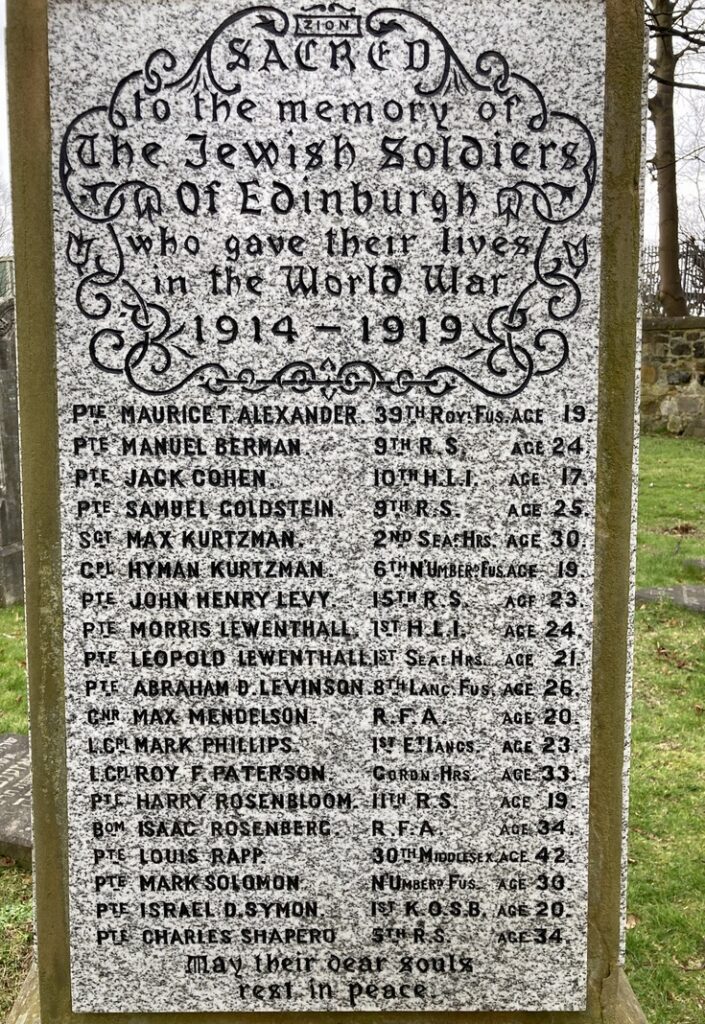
x=327 y=291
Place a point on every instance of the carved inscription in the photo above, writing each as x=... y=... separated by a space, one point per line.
x=327 y=301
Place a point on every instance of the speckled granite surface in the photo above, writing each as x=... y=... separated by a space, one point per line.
x=327 y=299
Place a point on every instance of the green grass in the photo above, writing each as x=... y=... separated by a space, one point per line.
x=13 y=671
x=666 y=905
x=671 y=511
x=666 y=902
x=15 y=883
x=15 y=930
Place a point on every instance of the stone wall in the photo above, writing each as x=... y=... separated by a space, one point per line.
x=11 y=573
x=673 y=376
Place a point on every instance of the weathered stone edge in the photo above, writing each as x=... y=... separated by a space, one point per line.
x=25 y=1009
x=670 y=323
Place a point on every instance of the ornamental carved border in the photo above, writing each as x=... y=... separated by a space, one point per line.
x=137 y=338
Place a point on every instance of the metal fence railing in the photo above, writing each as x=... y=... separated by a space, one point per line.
x=692 y=267
x=7 y=276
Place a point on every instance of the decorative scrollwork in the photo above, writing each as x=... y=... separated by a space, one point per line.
x=361 y=376
x=147 y=364
x=137 y=338
x=202 y=70
x=453 y=73
x=553 y=202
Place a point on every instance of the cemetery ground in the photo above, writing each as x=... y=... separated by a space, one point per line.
x=666 y=920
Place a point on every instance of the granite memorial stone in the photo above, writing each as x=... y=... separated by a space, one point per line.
x=340 y=351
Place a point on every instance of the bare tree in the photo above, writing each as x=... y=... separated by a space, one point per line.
x=677 y=29
x=690 y=151
x=5 y=221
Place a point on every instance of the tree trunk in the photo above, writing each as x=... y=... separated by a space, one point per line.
x=664 y=163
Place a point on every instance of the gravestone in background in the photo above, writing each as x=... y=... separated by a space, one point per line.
x=329 y=475
x=15 y=798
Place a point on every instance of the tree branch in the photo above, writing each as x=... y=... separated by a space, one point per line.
x=677 y=85
x=694 y=36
